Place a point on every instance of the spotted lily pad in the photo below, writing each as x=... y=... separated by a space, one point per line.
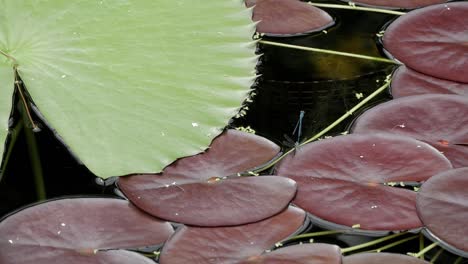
x=406 y=82
x=230 y=244
x=442 y=205
x=299 y=254
x=440 y=120
x=377 y=258
x=347 y=180
x=79 y=230
x=432 y=40
x=194 y=191
x=288 y=17
x=407 y=4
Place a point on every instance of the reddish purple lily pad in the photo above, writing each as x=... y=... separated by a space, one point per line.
x=406 y=82
x=442 y=205
x=288 y=17
x=378 y=258
x=230 y=244
x=440 y=120
x=193 y=190
x=406 y=4
x=432 y=40
x=299 y=254
x=79 y=230
x=343 y=180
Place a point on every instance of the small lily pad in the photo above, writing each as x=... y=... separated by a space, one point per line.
x=442 y=204
x=406 y=4
x=432 y=40
x=299 y=254
x=440 y=120
x=347 y=180
x=288 y=17
x=79 y=230
x=230 y=244
x=378 y=258
x=406 y=82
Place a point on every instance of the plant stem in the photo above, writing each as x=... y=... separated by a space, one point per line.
x=315 y=234
x=333 y=52
x=425 y=250
x=458 y=261
x=436 y=256
x=14 y=132
x=421 y=245
x=371 y=243
x=330 y=127
x=358 y=8
x=15 y=62
x=394 y=244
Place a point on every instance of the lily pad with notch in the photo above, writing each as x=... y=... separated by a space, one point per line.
x=288 y=17
x=231 y=244
x=406 y=82
x=205 y=190
x=443 y=208
x=440 y=120
x=375 y=258
x=349 y=181
x=432 y=40
x=80 y=230
x=393 y=4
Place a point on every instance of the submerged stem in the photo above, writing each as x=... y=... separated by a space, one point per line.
x=326 y=51
x=19 y=87
x=394 y=244
x=14 y=132
x=315 y=234
x=425 y=250
x=436 y=255
x=371 y=243
x=359 y=8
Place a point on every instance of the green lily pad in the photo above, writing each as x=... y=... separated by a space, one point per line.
x=129 y=85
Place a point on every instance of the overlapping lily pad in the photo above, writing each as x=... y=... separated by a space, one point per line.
x=347 y=180
x=406 y=82
x=79 y=230
x=230 y=244
x=407 y=4
x=299 y=254
x=440 y=120
x=442 y=205
x=288 y=17
x=377 y=258
x=432 y=40
x=194 y=188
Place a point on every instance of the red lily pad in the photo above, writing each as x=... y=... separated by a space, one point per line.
x=440 y=120
x=406 y=4
x=299 y=254
x=346 y=180
x=377 y=258
x=406 y=82
x=288 y=17
x=442 y=205
x=213 y=202
x=432 y=40
x=79 y=230
x=194 y=190
x=230 y=244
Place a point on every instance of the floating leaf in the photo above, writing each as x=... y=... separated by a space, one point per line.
x=346 y=180
x=432 y=40
x=230 y=244
x=406 y=82
x=299 y=254
x=192 y=190
x=374 y=258
x=130 y=85
x=288 y=17
x=407 y=4
x=79 y=230
x=442 y=204
x=440 y=120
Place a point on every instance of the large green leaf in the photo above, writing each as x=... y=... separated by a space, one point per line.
x=131 y=85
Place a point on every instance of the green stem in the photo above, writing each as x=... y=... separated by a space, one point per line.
x=436 y=256
x=358 y=8
x=14 y=132
x=458 y=261
x=421 y=245
x=425 y=250
x=333 y=52
x=394 y=244
x=315 y=234
x=371 y=243
x=330 y=127
x=15 y=62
